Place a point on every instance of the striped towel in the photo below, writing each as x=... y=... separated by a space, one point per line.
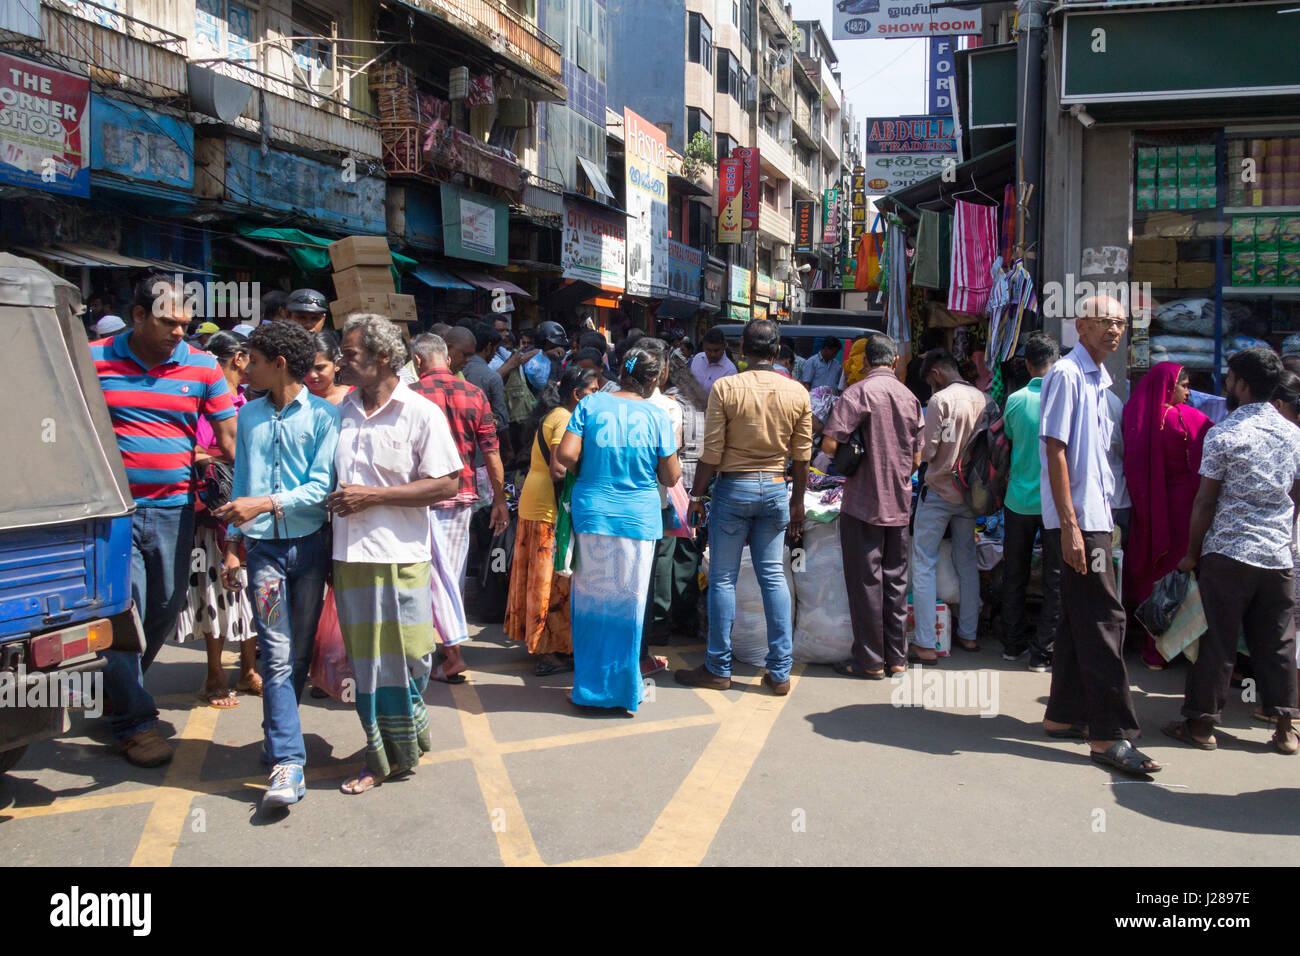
x=974 y=247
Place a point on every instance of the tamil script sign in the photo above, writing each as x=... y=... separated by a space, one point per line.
x=831 y=216
x=44 y=127
x=595 y=245
x=903 y=150
x=647 y=206
x=859 y=19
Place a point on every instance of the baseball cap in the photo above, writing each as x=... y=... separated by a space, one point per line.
x=1291 y=345
x=207 y=328
x=243 y=329
x=109 y=324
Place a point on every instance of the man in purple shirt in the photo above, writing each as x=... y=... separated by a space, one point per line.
x=875 y=509
x=712 y=363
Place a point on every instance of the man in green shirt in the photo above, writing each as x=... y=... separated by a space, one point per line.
x=1024 y=520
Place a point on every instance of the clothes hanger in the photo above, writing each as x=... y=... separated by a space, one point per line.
x=942 y=198
x=975 y=188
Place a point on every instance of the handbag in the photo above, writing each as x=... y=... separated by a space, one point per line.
x=849 y=454
x=213 y=482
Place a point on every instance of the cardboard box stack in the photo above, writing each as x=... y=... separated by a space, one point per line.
x=363 y=281
x=1156 y=261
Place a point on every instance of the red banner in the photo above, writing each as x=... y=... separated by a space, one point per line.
x=729 y=192
x=44 y=127
x=750 y=194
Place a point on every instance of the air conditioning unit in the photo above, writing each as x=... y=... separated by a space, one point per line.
x=769 y=104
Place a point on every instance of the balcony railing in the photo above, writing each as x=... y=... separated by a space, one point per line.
x=803 y=122
x=302 y=115
x=779 y=19
x=775 y=223
x=500 y=27
x=116 y=49
x=773 y=153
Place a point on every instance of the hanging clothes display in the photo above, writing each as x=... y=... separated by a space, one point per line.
x=1008 y=221
x=1013 y=295
x=933 y=250
x=974 y=248
x=895 y=279
x=870 y=253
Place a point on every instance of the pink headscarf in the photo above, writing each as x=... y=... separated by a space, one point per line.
x=1144 y=460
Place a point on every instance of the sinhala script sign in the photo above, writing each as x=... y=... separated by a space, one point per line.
x=859 y=19
x=903 y=150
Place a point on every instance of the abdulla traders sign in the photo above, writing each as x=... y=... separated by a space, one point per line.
x=860 y=19
x=44 y=127
x=647 y=206
x=903 y=150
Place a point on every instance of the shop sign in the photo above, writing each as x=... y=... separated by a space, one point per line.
x=44 y=127
x=942 y=70
x=729 y=201
x=903 y=150
x=646 y=181
x=830 y=216
x=859 y=196
x=713 y=282
x=286 y=182
x=861 y=19
x=140 y=144
x=750 y=191
x=595 y=245
x=803 y=225
x=739 y=289
x=474 y=226
x=763 y=286
x=738 y=313
x=684 y=270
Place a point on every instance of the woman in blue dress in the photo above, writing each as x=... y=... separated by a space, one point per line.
x=621 y=447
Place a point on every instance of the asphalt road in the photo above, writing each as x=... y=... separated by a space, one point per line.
x=834 y=773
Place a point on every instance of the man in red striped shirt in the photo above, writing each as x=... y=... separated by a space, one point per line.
x=157 y=386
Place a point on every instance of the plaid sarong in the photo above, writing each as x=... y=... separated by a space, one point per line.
x=387 y=627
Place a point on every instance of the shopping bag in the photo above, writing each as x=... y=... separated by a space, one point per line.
x=1185 y=630
x=331 y=670
x=564 y=541
x=494 y=576
x=1157 y=612
x=681 y=505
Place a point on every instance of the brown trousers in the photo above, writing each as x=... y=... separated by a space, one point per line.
x=875 y=575
x=1089 y=679
x=1260 y=600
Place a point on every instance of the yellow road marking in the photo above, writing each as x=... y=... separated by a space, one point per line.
x=162 y=830
x=514 y=839
x=627 y=729
x=686 y=827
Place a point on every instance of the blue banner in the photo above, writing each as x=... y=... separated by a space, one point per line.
x=942 y=68
x=140 y=144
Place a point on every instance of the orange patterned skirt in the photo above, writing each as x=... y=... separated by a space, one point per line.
x=537 y=608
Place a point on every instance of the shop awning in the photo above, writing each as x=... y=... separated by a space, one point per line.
x=490 y=283
x=988 y=172
x=264 y=252
x=575 y=292
x=96 y=257
x=438 y=279
x=676 y=308
x=595 y=177
x=309 y=252
x=686 y=187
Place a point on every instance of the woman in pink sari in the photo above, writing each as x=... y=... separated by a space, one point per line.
x=1162 y=462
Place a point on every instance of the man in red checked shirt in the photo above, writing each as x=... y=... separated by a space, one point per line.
x=473 y=426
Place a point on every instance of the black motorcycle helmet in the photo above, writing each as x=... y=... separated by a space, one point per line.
x=550 y=335
x=306 y=300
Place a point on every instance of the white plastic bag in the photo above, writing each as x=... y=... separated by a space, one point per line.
x=823 y=629
x=947 y=590
x=749 y=630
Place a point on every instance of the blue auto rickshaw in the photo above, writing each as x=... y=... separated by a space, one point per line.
x=65 y=505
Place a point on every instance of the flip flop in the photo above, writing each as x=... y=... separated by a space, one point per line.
x=1073 y=732
x=851 y=669
x=247 y=686
x=439 y=675
x=1126 y=758
x=660 y=665
x=351 y=788
x=1181 y=732
x=220 y=699
x=545 y=668
x=973 y=647
x=1263 y=718
x=928 y=662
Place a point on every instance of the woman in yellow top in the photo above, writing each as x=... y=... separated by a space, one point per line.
x=537 y=607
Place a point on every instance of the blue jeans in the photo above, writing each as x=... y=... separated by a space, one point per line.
x=753 y=510
x=286 y=579
x=161 y=542
x=933 y=516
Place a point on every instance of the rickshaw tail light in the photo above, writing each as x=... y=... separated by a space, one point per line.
x=58 y=646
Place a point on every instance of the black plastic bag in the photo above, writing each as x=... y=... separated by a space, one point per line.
x=1157 y=612
x=494 y=575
